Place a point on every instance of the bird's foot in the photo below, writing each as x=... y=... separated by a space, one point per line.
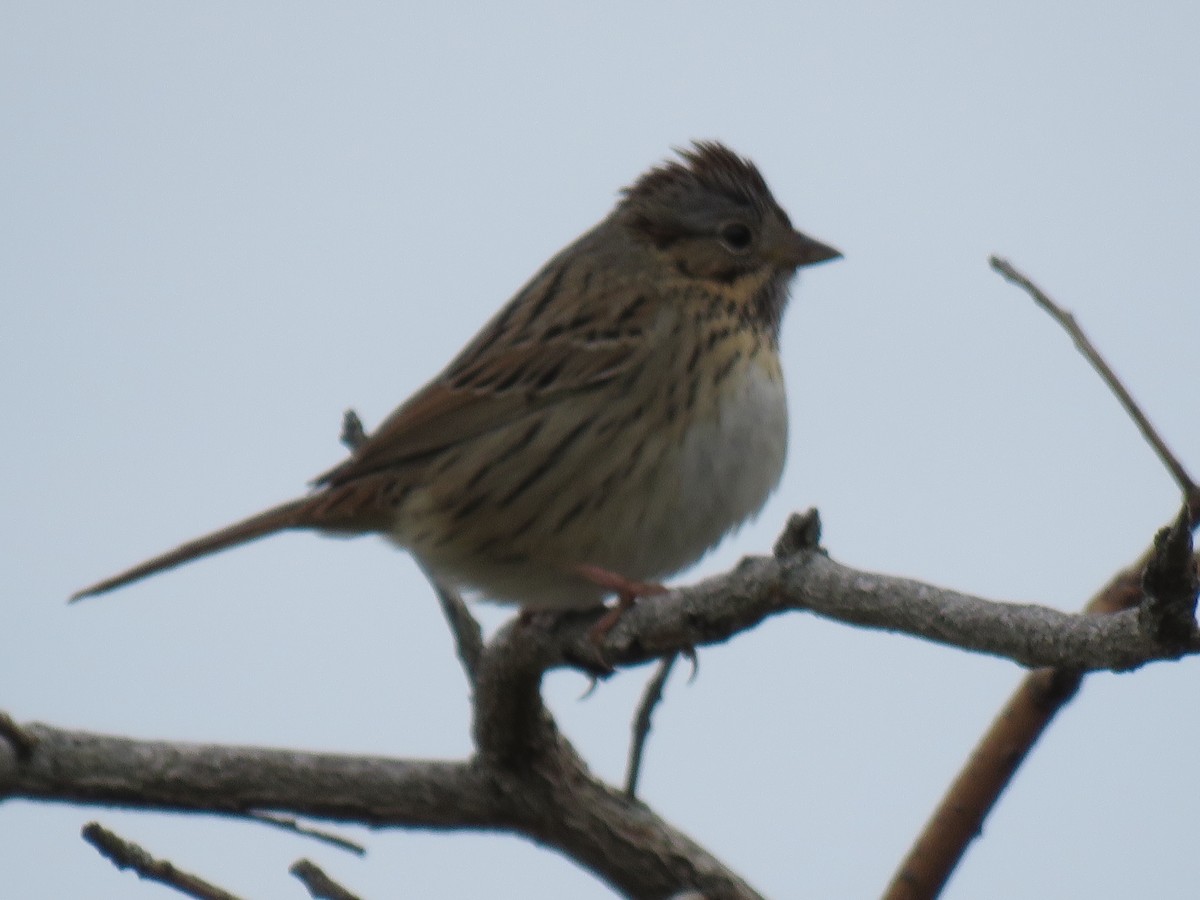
x=627 y=591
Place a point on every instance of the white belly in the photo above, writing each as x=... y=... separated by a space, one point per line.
x=650 y=506
x=720 y=475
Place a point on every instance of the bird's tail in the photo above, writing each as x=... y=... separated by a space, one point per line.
x=296 y=514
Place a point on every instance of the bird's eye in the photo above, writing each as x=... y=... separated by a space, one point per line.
x=736 y=236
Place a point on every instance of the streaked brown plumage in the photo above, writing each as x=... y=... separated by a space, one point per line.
x=624 y=410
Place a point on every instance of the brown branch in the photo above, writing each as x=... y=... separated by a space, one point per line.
x=320 y=886
x=959 y=817
x=127 y=855
x=1161 y=587
x=1064 y=318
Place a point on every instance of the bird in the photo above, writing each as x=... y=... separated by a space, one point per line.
x=620 y=415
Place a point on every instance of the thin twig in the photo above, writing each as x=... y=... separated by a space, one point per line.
x=990 y=768
x=22 y=742
x=468 y=635
x=293 y=825
x=353 y=433
x=1064 y=318
x=641 y=722
x=319 y=885
x=802 y=532
x=127 y=855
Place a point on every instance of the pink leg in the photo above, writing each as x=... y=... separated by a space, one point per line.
x=627 y=592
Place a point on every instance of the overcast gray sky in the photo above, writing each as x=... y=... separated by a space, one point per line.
x=224 y=223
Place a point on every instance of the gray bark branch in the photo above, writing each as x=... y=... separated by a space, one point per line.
x=525 y=777
x=549 y=798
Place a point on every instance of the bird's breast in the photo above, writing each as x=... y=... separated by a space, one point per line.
x=729 y=457
x=640 y=478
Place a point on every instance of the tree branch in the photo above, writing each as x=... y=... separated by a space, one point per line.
x=1161 y=585
x=320 y=886
x=526 y=778
x=1170 y=583
x=127 y=855
x=83 y=767
x=958 y=818
x=550 y=798
x=641 y=722
x=468 y=636
x=22 y=742
x=716 y=609
x=1067 y=321
x=294 y=826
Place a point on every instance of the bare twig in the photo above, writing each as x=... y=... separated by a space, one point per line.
x=1168 y=615
x=22 y=742
x=353 y=433
x=468 y=635
x=319 y=885
x=289 y=824
x=1064 y=318
x=641 y=722
x=802 y=532
x=127 y=855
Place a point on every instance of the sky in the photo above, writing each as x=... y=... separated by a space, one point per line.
x=225 y=223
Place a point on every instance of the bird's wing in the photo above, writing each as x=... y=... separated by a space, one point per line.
x=535 y=351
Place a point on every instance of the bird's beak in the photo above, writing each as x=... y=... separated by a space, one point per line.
x=798 y=249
